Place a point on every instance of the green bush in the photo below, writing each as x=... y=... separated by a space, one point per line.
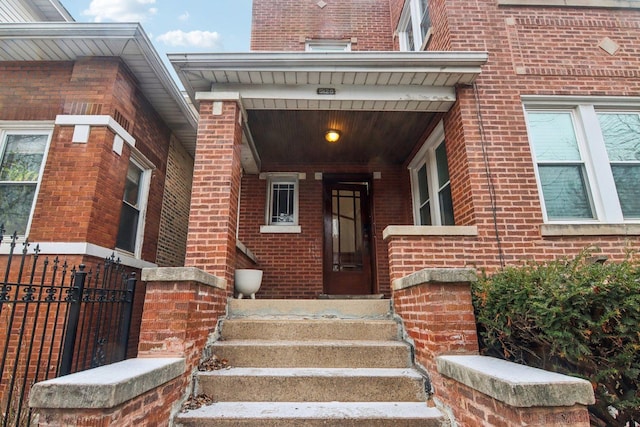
x=573 y=316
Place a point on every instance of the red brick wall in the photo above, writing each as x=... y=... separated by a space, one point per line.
x=214 y=198
x=292 y=263
x=174 y=223
x=153 y=408
x=82 y=186
x=474 y=409
x=283 y=25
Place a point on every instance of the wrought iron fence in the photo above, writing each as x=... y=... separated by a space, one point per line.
x=55 y=320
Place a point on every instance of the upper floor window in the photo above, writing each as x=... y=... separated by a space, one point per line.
x=22 y=159
x=587 y=160
x=414 y=27
x=430 y=184
x=328 y=45
x=132 y=213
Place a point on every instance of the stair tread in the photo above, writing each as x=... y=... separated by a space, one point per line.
x=317 y=372
x=315 y=410
x=307 y=343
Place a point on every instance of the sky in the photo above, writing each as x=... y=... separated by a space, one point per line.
x=176 y=26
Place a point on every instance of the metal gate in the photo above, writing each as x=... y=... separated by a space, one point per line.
x=55 y=320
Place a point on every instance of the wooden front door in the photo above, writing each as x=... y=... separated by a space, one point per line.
x=347 y=238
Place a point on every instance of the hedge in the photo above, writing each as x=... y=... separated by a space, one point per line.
x=573 y=316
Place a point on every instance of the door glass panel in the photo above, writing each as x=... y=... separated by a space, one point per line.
x=346 y=223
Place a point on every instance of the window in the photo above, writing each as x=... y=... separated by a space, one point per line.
x=431 y=187
x=587 y=161
x=282 y=200
x=22 y=159
x=414 y=27
x=134 y=202
x=328 y=46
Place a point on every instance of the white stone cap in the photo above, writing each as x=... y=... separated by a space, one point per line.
x=514 y=384
x=182 y=274
x=435 y=275
x=106 y=386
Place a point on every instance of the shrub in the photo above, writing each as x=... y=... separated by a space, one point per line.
x=573 y=316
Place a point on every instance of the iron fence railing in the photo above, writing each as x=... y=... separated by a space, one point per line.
x=55 y=320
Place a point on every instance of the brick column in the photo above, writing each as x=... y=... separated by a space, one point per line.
x=435 y=306
x=211 y=243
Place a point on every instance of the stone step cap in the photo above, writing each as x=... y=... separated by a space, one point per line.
x=328 y=309
x=347 y=414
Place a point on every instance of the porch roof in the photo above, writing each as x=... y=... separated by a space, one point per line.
x=382 y=102
x=69 y=41
x=403 y=81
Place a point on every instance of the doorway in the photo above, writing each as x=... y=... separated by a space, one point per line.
x=347 y=260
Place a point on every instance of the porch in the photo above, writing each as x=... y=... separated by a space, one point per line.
x=271 y=192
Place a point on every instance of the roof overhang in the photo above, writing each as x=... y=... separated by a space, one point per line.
x=352 y=87
x=71 y=41
x=51 y=10
x=365 y=81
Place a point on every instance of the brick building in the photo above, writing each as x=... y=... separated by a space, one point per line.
x=96 y=159
x=96 y=140
x=472 y=134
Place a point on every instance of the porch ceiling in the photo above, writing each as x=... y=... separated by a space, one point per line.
x=382 y=102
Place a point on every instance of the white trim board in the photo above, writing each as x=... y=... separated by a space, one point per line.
x=82 y=249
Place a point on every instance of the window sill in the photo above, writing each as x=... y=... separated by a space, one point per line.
x=631 y=4
x=429 y=230
x=559 y=230
x=285 y=229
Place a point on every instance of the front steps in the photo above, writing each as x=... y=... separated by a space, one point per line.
x=312 y=363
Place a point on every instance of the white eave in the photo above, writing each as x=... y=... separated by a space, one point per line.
x=385 y=81
x=52 y=10
x=70 y=41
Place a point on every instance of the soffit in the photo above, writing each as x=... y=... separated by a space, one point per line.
x=381 y=101
x=70 y=41
x=403 y=81
x=52 y=10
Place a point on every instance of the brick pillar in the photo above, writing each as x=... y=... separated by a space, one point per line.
x=211 y=244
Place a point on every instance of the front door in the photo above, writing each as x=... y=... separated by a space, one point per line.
x=347 y=237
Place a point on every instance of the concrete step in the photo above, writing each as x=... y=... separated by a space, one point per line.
x=314 y=414
x=305 y=329
x=314 y=354
x=329 y=309
x=312 y=385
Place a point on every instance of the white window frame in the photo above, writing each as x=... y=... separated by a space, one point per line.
x=427 y=156
x=412 y=13
x=327 y=45
x=28 y=128
x=145 y=183
x=599 y=177
x=282 y=178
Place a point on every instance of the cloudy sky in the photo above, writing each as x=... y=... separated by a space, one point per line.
x=176 y=26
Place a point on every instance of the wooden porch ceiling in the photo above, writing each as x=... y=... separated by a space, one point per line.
x=293 y=137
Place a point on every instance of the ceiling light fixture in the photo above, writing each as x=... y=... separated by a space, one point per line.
x=332 y=135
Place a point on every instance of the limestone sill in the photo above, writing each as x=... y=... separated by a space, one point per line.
x=435 y=275
x=107 y=386
x=182 y=274
x=429 y=230
x=516 y=385
x=559 y=230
